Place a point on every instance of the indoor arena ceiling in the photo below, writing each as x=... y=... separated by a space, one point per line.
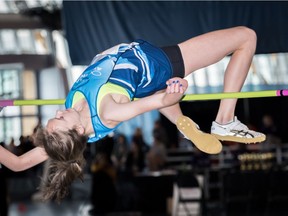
x=48 y=11
x=19 y=6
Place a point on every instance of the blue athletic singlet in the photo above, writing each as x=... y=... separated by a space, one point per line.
x=139 y=67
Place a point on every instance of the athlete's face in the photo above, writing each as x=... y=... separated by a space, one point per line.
x=64 y=120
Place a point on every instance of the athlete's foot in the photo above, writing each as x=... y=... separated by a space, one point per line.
x=203 y=141
x=236 y=131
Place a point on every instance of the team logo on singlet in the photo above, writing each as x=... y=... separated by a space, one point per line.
x=96 y=71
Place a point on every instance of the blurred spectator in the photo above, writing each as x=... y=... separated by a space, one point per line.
x=138 y=138
x=156 y=157
x=184 y=143
x=120 y=152
x=162 y=134
x=136 y=157
x=200 y=160
x=12 y=147
x=25 y=145
x=269 y=128
x=3 y=189
x=104 y=194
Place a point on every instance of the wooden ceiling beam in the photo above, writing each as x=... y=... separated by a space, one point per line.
x=31 y=62
x=19 y=21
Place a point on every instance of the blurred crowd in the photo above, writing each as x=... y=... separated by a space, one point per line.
x=114 y=161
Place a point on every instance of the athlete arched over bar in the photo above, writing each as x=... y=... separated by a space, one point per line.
x=104 y=94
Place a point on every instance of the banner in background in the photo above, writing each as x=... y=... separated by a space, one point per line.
x=93 y=26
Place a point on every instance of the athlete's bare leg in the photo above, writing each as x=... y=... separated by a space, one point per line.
x=207 y=49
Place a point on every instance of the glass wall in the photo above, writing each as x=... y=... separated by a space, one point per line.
x=10 y=87
x=25 y=41
x=16 y=120
x=267 y=72
x=17 y=82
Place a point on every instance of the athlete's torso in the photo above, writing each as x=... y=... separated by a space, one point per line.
x=140 y=68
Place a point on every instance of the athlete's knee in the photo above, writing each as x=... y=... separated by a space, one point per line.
x=247 y=39
x=249 y=35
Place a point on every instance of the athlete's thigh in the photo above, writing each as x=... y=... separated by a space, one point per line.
x=209 y=48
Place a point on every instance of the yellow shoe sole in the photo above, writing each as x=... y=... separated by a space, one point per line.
x=203 y=141
x=240 y=139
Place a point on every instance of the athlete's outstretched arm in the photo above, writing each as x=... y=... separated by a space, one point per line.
x=23 y=162
x=118 y=112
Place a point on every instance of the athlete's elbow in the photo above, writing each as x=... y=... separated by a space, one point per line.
x=18 y=167
x=171 y=99
x=15 y=168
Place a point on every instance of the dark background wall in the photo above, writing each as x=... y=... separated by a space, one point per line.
x=93 y=26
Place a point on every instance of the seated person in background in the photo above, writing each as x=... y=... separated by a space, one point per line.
x=156 y=157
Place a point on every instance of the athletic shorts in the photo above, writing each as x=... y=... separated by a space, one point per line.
x=174 y=55
x=146 y=71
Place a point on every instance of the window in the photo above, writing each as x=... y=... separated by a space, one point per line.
x=10 y=88
x=267 y=72
x=15 y=120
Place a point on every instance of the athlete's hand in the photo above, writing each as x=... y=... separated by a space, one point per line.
x=176 y=85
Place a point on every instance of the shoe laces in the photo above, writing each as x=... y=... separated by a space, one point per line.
x=242 y=127
x=239 y=125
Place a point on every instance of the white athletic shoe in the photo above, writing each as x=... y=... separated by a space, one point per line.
x=236 y=131
x=203 y=141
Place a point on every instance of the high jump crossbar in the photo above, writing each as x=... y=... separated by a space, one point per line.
x=188 y=97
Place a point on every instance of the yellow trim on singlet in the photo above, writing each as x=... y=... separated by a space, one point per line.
x=109 y=88
x=77 y=96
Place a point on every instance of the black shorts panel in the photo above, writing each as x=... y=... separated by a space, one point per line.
x=176 y=60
